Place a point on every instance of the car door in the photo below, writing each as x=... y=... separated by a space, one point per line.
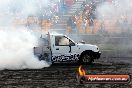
x=62 y=51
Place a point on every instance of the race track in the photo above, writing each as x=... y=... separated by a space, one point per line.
x=64 y=75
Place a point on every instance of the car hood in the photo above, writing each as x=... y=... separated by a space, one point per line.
x=88 y=47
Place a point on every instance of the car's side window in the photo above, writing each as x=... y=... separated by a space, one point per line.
x=61 y=41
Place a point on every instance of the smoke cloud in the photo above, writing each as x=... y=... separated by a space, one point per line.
x=116 y=20
x=116 y=15
x=116 y=9
x=16 y=50
x=16 y=43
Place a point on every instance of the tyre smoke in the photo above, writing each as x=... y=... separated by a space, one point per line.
x=16 y=50
x=17 y=42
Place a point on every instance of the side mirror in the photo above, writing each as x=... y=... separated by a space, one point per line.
x=83 y=42
x=72 y=44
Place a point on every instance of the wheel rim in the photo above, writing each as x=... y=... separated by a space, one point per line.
x=86 y=58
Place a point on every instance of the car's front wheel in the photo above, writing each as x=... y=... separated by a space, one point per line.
x=86 y=58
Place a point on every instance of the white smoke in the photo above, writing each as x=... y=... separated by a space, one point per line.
x=16 y=44
x=16 y=50
x=114 y=10
x=115 y=16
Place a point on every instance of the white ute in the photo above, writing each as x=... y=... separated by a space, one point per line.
x=59 y=48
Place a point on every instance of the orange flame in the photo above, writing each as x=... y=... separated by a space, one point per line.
x=81 y=71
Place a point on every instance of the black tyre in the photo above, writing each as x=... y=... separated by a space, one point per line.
x=86 y=58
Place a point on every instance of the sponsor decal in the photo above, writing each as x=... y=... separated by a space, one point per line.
x=64 y=58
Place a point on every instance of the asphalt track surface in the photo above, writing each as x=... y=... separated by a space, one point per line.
x=64 y=75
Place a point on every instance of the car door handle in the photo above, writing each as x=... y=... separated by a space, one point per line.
x=57 y=48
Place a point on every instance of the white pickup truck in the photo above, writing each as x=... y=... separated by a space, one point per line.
x=59 y=48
